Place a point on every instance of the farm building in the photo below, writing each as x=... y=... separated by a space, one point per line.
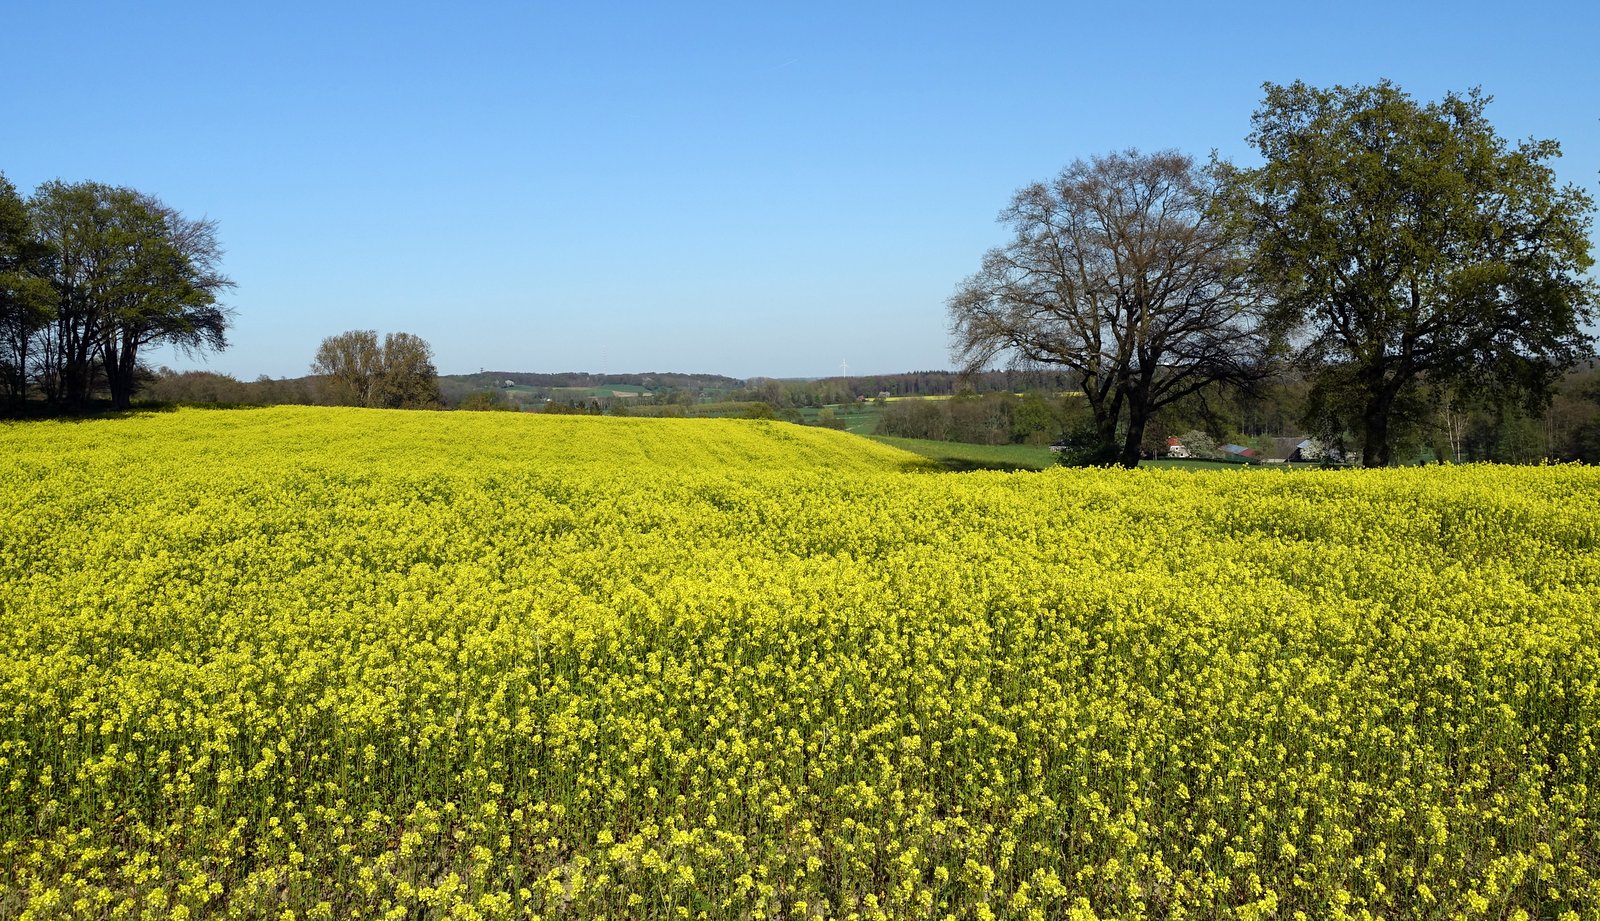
x=1292 y=449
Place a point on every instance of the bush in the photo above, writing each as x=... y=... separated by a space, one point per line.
x=1080 y=446
x=487 y=401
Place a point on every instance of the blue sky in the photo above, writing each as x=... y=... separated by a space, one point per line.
x=746 y=189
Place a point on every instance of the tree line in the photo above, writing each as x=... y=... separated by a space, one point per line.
x=781 y=394
x=92 y=275
x=996 y=417
x=1394 y=255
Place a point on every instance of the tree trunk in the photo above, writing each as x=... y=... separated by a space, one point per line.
x=77 y=370
x=1375 y=447
x=121 y=370
x=1134 y=438
x=1139 y=411
x=1105 y=421
x=1106 y=434
x=17 y=379
x=119 y=381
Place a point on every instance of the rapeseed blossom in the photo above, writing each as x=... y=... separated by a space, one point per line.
x=324 y=663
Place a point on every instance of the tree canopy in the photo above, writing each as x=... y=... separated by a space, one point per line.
x=27 y=300
x=357 y=370
x=1408 y=246
x=90 y=274
x=1120 y=270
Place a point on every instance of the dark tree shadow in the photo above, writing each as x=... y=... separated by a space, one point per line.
x=97 y=410
x=967 y=465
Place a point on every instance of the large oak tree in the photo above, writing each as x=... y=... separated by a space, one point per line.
x=128 y=272
x=1408 y=245
x=1121 y=271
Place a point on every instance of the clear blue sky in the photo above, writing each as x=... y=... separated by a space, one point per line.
x=746 y=189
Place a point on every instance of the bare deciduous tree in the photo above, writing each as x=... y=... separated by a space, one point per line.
x=349 y=364
x=408 y=378
x=357 y=370
x=1120 y=271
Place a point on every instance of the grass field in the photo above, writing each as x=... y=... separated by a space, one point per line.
x=858 y=418
x=953 y=455
x=319 y=663
x=571 y=394
x=959 y=456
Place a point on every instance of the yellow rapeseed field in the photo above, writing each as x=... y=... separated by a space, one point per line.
x=315 y=664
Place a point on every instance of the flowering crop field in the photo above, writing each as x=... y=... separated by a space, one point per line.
x=319 y=663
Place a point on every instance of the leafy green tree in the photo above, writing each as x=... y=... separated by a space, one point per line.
x=27 y=300
x=1080 y=445
x=128 y=272
x=1034 y=420
x=1408 y=243
x=1120 y=271
x=168 y=293
x=926 y=419
x=72 y=223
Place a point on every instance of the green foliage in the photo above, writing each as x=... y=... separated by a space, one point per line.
x=91 y=275
x=1407 y=243
x=1034 y=420
x=490 y=400
x=1084 y=445
x=1585 y=443
x=720 y=409
x=27 y=300
x=563 y=408
x=957 y=456
x=994 y=418
x=129 y=272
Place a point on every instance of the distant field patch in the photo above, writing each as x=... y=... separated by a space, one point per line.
x=954 y=455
